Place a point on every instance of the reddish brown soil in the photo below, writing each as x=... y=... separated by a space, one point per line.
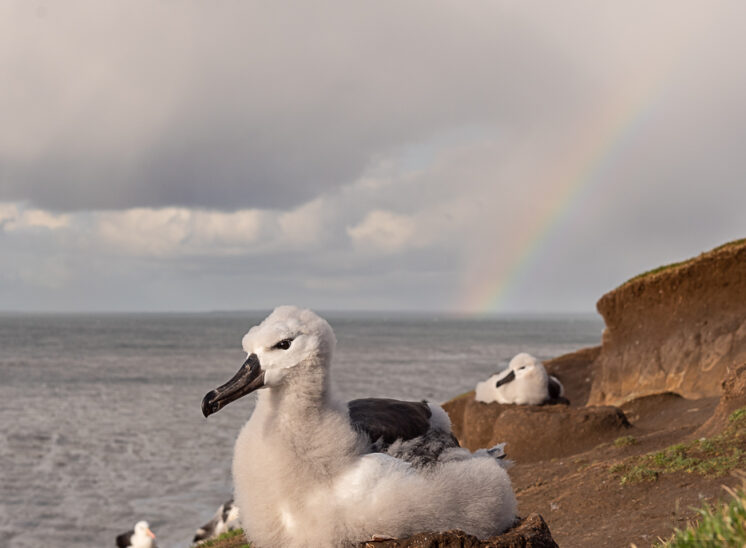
x=532 y=532
x=564 y=460
x=584 y=503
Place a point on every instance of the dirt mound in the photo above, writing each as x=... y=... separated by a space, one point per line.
x=532 y=532
x=666 y=406
x=675 y=329
x=533 y=433
x=575 y=372
x=734 y=397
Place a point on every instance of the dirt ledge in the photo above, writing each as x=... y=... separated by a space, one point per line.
x=675 y=329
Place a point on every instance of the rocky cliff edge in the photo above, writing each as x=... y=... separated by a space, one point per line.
x=678 y=328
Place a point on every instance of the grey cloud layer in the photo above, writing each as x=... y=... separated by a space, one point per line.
x=348 y=156
x=256 y=105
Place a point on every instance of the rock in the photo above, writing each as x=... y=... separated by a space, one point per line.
x=533 y=433
x=677 y=329
x=532 y=532
x=734 y=397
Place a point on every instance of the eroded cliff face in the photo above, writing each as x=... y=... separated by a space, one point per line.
x=679 y=329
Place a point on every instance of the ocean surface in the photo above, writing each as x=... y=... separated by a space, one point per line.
x=100 y=414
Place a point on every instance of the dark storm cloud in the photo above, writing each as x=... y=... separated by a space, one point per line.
x=257 y=106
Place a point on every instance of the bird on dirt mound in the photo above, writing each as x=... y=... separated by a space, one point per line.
x=310 y=470
x=524 y=382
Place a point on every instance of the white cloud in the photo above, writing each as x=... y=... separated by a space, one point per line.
x=178 y=231
x=14 y=217
x=305 y=225
x=383 y=230
x=8 y=212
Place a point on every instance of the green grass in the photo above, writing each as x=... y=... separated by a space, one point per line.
x=734 y=243
x=220 y=540
x=669 y=266
x=708 y=457
x=737 y=416
x=657 y=270
x=625 y=441
x=721 y=526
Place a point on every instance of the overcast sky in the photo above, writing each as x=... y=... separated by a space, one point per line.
x=455 y=156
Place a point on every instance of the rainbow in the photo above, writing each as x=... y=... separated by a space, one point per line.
x=591 y=146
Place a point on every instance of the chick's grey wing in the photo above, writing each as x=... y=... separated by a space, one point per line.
x=388 y=419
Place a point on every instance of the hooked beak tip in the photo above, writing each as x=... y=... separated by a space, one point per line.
x=249 y=377
x=209 y=406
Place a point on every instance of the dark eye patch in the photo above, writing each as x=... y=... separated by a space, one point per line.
x=284 y=344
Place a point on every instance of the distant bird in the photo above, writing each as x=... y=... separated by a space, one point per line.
x=225 y=519
x=312 y=471
x=139 y=537
x=524 y=382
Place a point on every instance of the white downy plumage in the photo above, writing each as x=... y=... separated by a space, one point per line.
x=307 y=471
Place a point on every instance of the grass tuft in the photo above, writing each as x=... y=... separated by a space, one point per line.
x=722 y=525
x=737 y=416
x=638 y=474
x=625 y=441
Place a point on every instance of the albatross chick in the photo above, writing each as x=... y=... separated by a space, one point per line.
x=312 y=471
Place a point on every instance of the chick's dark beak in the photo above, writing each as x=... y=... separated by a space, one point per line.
x=249 y=378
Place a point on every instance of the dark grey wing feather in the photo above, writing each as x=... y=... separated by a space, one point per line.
x=554 y=389
x=123 y=540
x=390 y=420
x=555 y=392
x=207 y=531
x=227 y=507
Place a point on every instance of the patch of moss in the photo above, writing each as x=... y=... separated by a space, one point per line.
x=708 y=457
x=625 y=441
x=637 y=474
x=231 y=539
x=616 y=468
x=734 y=243
x=739 y=415
x=657 y=270
x=669 y=266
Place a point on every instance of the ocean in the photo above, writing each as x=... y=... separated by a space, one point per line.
x=101 y=420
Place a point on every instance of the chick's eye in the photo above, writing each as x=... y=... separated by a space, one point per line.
x=283 y=344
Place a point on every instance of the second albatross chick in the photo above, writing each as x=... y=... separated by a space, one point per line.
x=310 y=470
x=524 y=382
